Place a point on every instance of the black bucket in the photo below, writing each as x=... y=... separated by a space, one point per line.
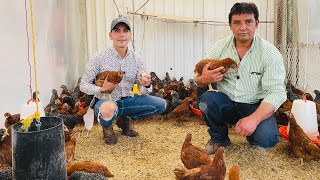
x=39 y=154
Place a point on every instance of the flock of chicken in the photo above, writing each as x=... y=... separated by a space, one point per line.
x=72 y=105
x=199 y=165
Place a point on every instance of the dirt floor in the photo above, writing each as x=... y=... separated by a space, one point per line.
x=156 y=152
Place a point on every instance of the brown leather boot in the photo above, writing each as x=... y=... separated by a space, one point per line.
x=109 y=136
x=125 y=124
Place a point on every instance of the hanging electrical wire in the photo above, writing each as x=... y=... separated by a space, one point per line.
x=142 y=6
x=132 y=30
x=119 y=14
x=177 y=19
x=28 y=48
x=36 y=115
x=144 y=31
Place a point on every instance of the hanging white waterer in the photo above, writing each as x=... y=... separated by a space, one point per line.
x=29 y=108
x=305 y=113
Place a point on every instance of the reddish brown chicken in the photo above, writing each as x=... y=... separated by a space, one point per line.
x=181 y=112
x=215 y=63
x=192 y=156
x=90 y=167
x=112 y=76
x=234 y=172
x=11 y=119
x=5 y=148
x=216 y=170
x=82 y=112
x=70 y=147
x=67 y=133
x=300 y=143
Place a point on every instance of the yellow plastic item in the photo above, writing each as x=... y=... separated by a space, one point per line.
x=27 y=121
x=135 y=89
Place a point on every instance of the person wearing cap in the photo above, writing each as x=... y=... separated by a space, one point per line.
x=249 y=96
x=123 y=106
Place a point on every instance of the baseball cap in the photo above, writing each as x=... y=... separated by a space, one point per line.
x=120 y=20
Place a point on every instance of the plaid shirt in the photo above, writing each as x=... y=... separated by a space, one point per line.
x=260 y=75
x=110 y=60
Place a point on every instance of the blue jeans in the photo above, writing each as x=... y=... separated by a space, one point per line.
x=136 y=107
x=217 y=109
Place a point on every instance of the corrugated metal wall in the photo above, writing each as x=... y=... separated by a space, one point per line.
x=170 y=46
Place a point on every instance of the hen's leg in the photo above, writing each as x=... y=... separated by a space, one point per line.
x=211 y=89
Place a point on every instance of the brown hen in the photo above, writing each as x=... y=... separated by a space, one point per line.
x=234 y=172
x=11 y=119
x=70 y=147
x=5 y=148
x=216 y=170
x=90 y=167
x=112 y=76
x=215 y=63
x=181 y=112
x=300 y=143
x=192 y=156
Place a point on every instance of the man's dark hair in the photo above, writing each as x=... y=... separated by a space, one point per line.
x=244 y=8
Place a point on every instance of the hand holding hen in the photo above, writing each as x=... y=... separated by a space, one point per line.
x=218 y=69
x=108 y=80
x=145 y=79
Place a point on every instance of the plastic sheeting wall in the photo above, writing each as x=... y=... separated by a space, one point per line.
x=69 y=32
x=172 y=47
x=59 y=49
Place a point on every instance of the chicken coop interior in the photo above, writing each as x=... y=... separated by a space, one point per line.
x=46 y=46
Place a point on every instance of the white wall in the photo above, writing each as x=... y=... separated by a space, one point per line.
x=69 y=32
x=56 y=56
x=170 y=47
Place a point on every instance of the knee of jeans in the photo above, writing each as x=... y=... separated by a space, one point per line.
x=107 y=109
x=161 y=107
x=106 y=123
x=203 y=107
x=265 y=141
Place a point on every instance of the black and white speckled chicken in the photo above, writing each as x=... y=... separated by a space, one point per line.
x=54 y=96
x=34 y=96
x=156 y=78
x=290 y=95
x=176 y=101
x=81 y=175
x=167 y=80
x=70 y=120
x=6 y=173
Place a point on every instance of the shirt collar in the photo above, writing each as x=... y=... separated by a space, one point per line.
x=252 y=44
x=129 y=51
